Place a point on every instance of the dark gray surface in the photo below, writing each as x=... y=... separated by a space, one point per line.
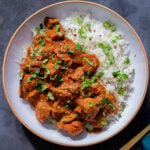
x=13 y=136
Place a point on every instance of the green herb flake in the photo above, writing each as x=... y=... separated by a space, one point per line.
x=44 y=87
x=37 y=71
x=50 y=96
x=112 y=106
x=33 y=75
x=120 y=76
x=45 y=54
x=121 y=91
x=56 y=66
x=89 y=126
x=100 y=74
x=88 y=61
x=39 y=51
x=79 y=47
x=109 y=25
x=106 y=49
x=96 y=103
x=41 y=42
x=88 y=26
x=21 y=75
x=104 y=101
x=68 y=47
x=64 y=119
x=29 y=79
x=104 y=123
x=127 y=61
x=81 y=33
x=57 y=27
x=82 y=78
x=72 y=52
x=42 y=33
x=66 y=106
x=104 y=114
x=86 y=84
x=78 y=20
x=54 y=77
x=45 y=61
x=70 y=116
x=116 y=38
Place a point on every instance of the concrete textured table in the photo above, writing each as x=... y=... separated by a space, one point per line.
x=13 y=136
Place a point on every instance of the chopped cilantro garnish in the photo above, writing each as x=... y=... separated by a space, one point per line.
x=37 y=71
x=79 y=47
x=104 y=123
x=109 y=25
x=45 y=61
x=33 y=75
x=88 y=61
x=42 y=33
x=120 y=76
x=88 y=26
x=86 y=84
x=100 y=74
x=57 y=27
x=45 y=54
x=106 y=49
x=121 y=91
x=89 y=126
x=66 y=106
x=54 y=77
x=81 y=33
x=40 y=86
x=127 y=61
x=32 y=53
x=41 y=42
x=116 y=38
x=104 y=114
x=50 y=96
x=29 y=79
x=44 y=87
x=93 y=79
x=72 y=52
x=104 y=101
x=117 y=73
x=112 y=106
x=21 y=75
x=64 y=119
x=78 y=20
x=68 y=47
x=56 y=65
x=82 y=78
x=39 y=51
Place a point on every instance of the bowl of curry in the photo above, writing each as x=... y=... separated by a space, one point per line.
x=62 y=97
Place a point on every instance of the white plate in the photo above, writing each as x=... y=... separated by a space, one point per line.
x=23 y=37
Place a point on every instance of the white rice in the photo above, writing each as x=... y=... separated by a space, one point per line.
x=99 y=34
